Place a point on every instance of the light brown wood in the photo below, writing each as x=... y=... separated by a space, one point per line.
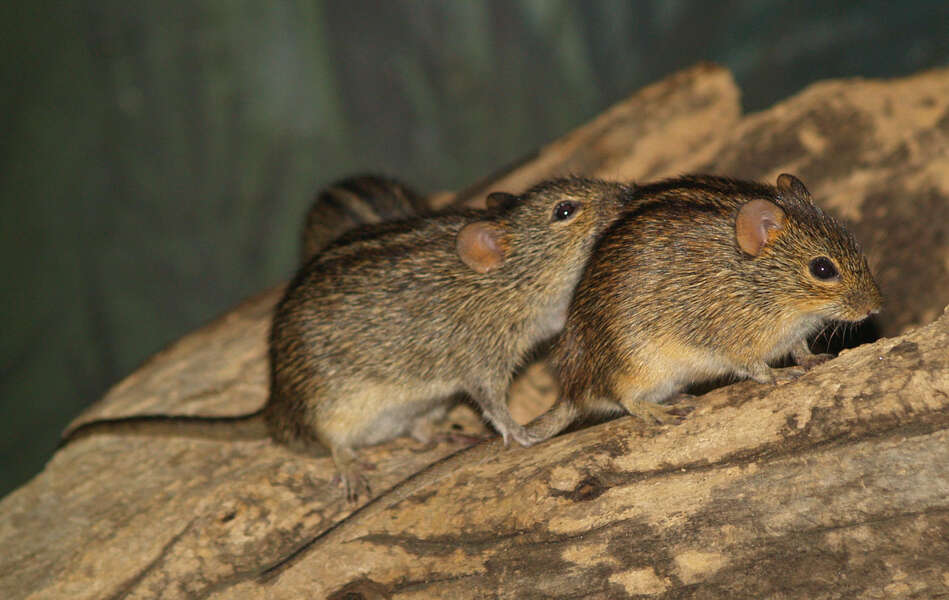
x=834 y=484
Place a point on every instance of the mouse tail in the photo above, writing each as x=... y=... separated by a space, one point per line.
x=239 y=427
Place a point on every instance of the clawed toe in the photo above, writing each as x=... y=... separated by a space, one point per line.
x=524 y=438
x=349 y=473
x=782 y=376
x=681 y=410
x=651 y=412
x=355 y=484
x=519 y=435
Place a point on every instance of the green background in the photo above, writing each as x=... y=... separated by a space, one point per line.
x=156 y=158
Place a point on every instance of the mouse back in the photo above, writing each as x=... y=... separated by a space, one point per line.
x=719 y=262
x=770 y=245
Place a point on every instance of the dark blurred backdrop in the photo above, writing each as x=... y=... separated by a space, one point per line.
x=156 y=158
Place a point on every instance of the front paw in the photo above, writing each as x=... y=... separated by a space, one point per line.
x=810 y=361
x=787 y=375
x=653 y=413
x=681 y=405
x=354 y=483
x=520 y=435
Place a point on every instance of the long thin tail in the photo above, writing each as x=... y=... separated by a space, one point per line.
x=239 y=427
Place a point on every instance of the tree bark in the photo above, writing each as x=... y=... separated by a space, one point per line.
x=833 y=485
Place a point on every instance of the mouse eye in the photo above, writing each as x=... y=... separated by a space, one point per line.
x=564 y=211
x=822 y=268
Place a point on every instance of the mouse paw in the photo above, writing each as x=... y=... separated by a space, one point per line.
x=519 y=434
x=681 y=405
x=651 y=412
x=679 y=398
x=531 y=438
x=349 y=473
x=812 y=360
x=354 y=484
x=787 y=375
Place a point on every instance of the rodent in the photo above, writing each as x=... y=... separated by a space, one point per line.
x=355 y=201
x=705 y=277
x=378 y=331
x=337 y=210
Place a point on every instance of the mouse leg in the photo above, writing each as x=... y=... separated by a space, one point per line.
x=350 y=473
x=681 y=404
x=650 y=412
x=552 y=422
x=493 y=403
x=349 y=469
x=640 y=391
x=762 y=373
x=806 y=359
x=759 y=371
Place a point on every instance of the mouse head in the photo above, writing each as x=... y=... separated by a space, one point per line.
x=555 y=220
x=811 y=261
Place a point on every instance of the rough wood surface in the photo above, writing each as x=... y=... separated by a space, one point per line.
x=834 y=485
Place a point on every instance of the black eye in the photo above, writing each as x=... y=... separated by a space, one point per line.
x=822 y=268
x=564 y=210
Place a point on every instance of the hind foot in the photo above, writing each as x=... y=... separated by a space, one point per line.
x=652 y=413
x=350 y=474
x=680 y=405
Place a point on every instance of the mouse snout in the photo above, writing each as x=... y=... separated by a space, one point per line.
x=875 y=304
x=859 y=304
x=868 y=304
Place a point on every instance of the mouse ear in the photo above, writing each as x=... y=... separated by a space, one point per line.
x=480 y=246
x=499 y=199
x=758 y=223
x=789 y=184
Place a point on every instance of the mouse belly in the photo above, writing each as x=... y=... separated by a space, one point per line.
x=658 y=371
x=375 y=412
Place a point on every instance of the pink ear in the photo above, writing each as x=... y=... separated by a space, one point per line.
x=479 y=246
x=758 y=222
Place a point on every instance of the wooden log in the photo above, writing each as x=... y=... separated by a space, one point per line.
x=834 y=485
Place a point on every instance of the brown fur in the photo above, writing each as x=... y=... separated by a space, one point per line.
x=355 y=201
x=374 y=334
x=670 y=298
x=379 y=330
